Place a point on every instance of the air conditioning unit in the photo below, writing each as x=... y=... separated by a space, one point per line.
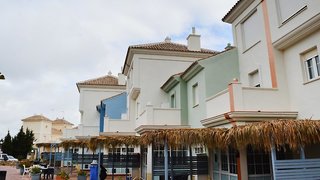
x=69 y=163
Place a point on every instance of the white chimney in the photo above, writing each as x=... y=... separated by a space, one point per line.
x=121 y=79
x=194 y=41
x=167 y=40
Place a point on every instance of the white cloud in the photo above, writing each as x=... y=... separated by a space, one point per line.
x=48 y=46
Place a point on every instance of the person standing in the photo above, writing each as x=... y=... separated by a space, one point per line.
x=103 y=172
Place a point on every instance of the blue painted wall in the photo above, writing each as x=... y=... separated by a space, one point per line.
x=112 y=107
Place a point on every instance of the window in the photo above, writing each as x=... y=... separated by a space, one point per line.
x=195 y=94
x=312 y=65
x=199 y=150
x=287 y=9
x=250 y=29
x=233 y=160
x=258 y=162
x=173 y=101
x=254 y=79
x=285 y=153
x=229 y=161
x=130 y=150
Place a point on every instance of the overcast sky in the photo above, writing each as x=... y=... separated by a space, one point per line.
x=47 y=46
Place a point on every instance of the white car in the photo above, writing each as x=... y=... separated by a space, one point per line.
x=3 y=157
x=11 y=158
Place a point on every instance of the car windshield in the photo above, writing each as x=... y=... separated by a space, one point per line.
x=11 y=157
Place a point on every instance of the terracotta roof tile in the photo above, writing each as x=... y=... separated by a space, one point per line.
x=36 y=118
x=108 y=80
x=61 y=121
x=169 y=46
x=233 y=7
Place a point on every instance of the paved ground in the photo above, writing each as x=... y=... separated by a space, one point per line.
x=14 y=174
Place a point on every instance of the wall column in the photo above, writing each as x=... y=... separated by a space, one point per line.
x=243 y=163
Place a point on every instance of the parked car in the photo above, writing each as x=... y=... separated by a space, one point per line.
x=11 y=158
x=3 y=157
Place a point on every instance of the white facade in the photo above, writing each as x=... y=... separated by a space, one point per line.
x=273 y=56
x=149 y=73
x=89 y=99
x=44 y=129
x=41 y=130
x=92 y=92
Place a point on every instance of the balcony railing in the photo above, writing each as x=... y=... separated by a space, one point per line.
x=181 y=165
x=159 y=116
x=239 y=98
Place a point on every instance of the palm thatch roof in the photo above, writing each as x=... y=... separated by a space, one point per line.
x=74 y=143
x=107 y=141
x=46 y=145
x=262 y=135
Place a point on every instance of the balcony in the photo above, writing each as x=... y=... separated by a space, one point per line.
x=242 y=104
x=159 y=116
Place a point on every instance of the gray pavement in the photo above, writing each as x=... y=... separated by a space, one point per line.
x=14 y=174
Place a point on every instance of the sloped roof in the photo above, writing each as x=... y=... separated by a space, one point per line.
x=108 y=80
x=164 y=48
x=36 y=118
x=240 y=5
x=61 y=121
x=169 y=46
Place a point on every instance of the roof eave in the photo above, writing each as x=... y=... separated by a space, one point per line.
x=131 y=51
x=170 y=83
x=192 y=70
x=236 y=10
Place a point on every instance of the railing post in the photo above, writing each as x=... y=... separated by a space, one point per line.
x=171 y=163
x=50 y=153
x=127 y=158
x=82 y=155
x=190 y=159
x=302 y=154
x=165 y=159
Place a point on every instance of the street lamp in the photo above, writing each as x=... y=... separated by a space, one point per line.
x=2 y=76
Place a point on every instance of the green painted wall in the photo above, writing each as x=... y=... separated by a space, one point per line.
x=180 y=91
x=220 y=70
x=184 y=102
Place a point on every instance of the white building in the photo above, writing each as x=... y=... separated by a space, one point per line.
x=44 y=129
x=92 y=91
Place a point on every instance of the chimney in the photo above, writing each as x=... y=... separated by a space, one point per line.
x=121 y=79
x=194 y=41
x=167 y=39
x=228 y=46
